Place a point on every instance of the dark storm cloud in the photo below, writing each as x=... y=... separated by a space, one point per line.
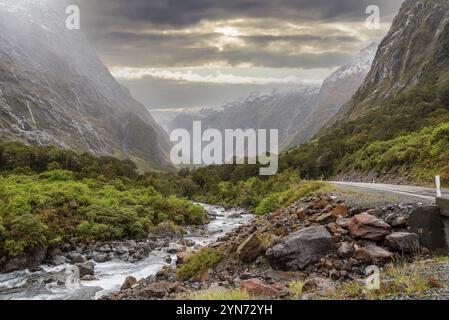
x=131 y=32
x=181 y=13
x=175 y=50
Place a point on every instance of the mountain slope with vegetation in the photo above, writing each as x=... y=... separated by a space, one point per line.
x=54 y=90
x=385 y=123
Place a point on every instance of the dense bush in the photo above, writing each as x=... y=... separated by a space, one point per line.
x=261 y=194
x=54 y=206
x=422 y=154
x=21 y=159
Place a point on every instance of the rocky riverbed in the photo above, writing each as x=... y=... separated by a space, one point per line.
x=104 y=266
x=319 y=242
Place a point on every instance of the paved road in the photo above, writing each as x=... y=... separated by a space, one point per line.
x=428 y=194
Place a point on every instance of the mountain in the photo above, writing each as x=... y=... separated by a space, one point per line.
x=396 y=125
x=416 y=49
x=297 y=114
x=336 y=90
x=54 y=90
x=276 y=110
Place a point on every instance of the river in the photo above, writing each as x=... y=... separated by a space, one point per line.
x=26 y=285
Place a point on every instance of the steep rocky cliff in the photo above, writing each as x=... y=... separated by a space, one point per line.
x=415 y=50
x=54 y=90
x=336 y=90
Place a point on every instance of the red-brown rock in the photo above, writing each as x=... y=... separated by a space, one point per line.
x=340 y=211
x=257 y=288
x=368 y=227
x=372 y=254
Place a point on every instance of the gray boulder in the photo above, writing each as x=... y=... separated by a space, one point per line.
x=300 y=248
x=101 y=257
x=58 y=260
x=403 y=241
x=427 y=223
x=86 y=269
x=32 y=258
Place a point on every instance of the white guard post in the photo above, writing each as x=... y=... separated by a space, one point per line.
x=438 y=185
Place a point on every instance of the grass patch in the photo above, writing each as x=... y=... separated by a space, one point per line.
x=408 y=279
x=296 y=288
x=223 y=295
x=199 y=263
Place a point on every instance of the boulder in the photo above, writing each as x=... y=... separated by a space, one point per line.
x=427 y=223
x=174 y=248
x=399 y=222
x=403 y=241
x=129 y=283
x=257 y=288
x=235 y=215
x=159 y=289
x=300 y=248
x=345 y=250
x=369 y=227
x=121 y=249
x=181 y=257
x=76 y=257
x=319 y=286
x=58 y=260
x=302 y=213
x=86 y=269
x=340 y=211
x=251 y=248
x=372 y=254
x=32 y=258
x=343 y=222
x=325 y=218
x=101 y=257
x=106 y=248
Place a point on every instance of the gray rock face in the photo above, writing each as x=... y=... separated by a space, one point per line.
x=403 y=241
x=54 y=90
x=336 y=90
x=414 y=47
x=300 y=248
x=30 y=259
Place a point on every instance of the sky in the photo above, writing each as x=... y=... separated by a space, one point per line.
x=202 y=53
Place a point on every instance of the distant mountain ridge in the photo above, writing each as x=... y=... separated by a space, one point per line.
x=275 y=110
x=54 y=90
x=335 y=91
x=297 y=114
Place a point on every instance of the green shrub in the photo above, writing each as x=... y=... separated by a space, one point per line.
x=269 y=204
x=99 y=231
x=57 y=175
x=199 y=263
